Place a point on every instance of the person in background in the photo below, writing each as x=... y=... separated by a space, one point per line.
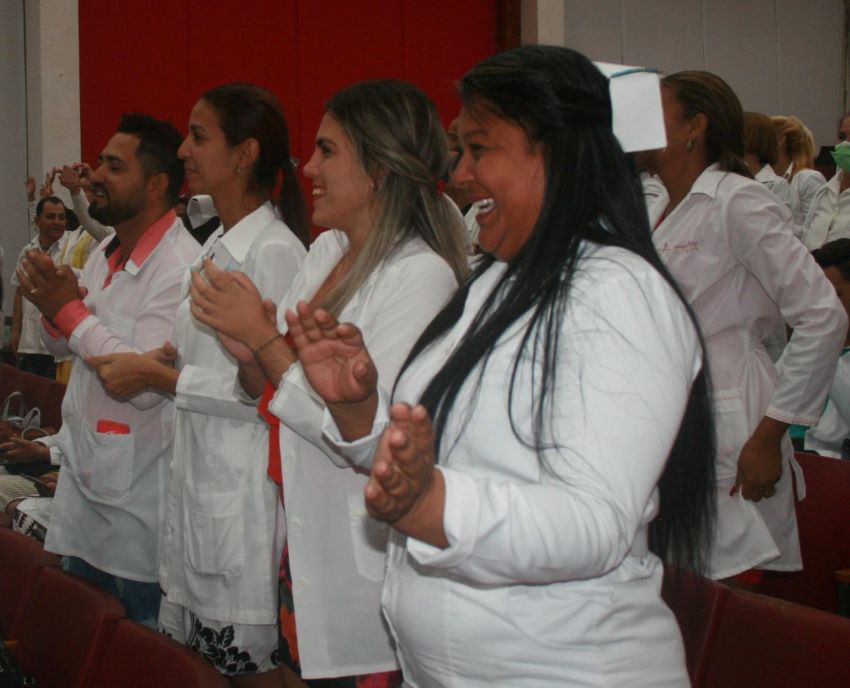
x=730 y=244
x=761 y=150
x=222 y=545
x=828 y=218
x=829 y=435
x=565 y=454
x=795 y=161
x=26 y=343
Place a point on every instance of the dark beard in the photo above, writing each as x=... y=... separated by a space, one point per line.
x=113 y=214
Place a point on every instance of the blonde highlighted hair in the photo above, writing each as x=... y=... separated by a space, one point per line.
x=399 y=139
x=799 y=142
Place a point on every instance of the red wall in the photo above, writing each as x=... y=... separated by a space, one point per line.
x=159 y=56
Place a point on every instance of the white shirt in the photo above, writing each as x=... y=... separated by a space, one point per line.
x=31 y=341
x=110 y=495
x=729 y=244
x=220 y=556
x=828 y=218
x=827 y=437
x=778 y=186
x=804 y=185
x=336 y=551
x=547 y=580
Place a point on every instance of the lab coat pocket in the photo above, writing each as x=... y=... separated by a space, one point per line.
x=730 y=419
x=216 y=538
x=368 y=539
x=107 y=471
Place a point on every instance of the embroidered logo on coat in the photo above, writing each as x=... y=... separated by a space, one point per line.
x=687 y=247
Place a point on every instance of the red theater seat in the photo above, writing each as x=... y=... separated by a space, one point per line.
x=698 y=605
x=763 y=642
x=9 y=378
x=64 y=629
x=822 y=518
x=138 y=657
x=21 y=558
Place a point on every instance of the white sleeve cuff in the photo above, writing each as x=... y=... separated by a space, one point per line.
x=360 y=452
x=460 y=523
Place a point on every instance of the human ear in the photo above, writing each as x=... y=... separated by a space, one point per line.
x=248 y=152
x=698 y=126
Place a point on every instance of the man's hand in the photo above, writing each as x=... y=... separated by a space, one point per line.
x=46 y=286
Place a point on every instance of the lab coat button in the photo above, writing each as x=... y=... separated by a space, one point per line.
x=301 y=584
x=297 y=525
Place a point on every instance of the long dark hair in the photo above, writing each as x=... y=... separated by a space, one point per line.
x=247 y=111
x=592 y=194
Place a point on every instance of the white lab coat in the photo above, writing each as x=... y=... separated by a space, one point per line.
x=336 y=551
x=828 y=218
x=777 y=185
x=804 y=185
x=729 y=244
x=110 y=496
x=547 y=580
x=220 y=556
x=827 y=437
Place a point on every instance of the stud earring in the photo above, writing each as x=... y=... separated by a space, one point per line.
x=240 y=171
x=690 y=144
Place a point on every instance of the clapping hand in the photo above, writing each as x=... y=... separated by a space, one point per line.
x=333 y=356
x=404 y=488
x=231 y=304
x=45 y=285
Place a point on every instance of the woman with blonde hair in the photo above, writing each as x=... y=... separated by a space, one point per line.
x=795 y=161
x=395 y=255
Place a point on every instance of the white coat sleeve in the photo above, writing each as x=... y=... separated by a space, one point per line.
x=817 y=222
x=407 y=296
x=151 y=328
x=759 y=235
x=810 y=183
x=90 y=225
x=839 y=393
x=216 y=392
x=630 y=354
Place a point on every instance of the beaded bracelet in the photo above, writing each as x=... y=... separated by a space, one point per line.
x=262 y=346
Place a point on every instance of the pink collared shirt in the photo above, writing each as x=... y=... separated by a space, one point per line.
x=74 y=312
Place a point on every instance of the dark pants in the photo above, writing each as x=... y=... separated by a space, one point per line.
x=38 y=364
x=141 y=600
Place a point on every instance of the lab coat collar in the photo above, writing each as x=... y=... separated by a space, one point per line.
x=144 y=247
x=239 y=238
x=765 y=174
x=708 y=181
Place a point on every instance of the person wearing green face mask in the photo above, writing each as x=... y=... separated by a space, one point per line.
x=828 y=218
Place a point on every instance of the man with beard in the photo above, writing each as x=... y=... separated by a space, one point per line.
x=114 y=452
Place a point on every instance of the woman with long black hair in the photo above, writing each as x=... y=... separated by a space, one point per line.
x=562 y=394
